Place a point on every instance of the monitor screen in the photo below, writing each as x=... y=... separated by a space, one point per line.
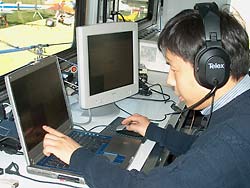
x=104 y=69
x=107 y=63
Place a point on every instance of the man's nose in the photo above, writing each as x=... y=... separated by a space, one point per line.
x=171 y=79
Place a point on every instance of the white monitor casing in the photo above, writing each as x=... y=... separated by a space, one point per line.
x=86 y=100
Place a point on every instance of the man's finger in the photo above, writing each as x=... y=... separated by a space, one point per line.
x=52 y=131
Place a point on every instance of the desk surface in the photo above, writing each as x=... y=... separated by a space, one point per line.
x=153 y=110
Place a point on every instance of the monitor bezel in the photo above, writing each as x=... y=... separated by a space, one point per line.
x=107 y=97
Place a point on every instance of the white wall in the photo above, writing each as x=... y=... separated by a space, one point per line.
x=172 y=7
x=242 y=7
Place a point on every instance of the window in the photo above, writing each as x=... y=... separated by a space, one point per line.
x=133 y=10
x=32 y=29
x=144 y=12
x=128 y=10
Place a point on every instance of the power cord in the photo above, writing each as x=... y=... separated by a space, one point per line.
x=211 y=111
x=65 y=60
x=96 y=127
x=144 y=89
x=144 y=84
x=205 y=120
x=147 y=90
x=211 y=93
x=154 y=100
x=79 y=126
x=155 y=120
x=123 y=110
x=2 y=112
x=166 y=98
x=113 y=13
x=10 y=145
x=13 y=169
x=161 y=92
x=1 y=171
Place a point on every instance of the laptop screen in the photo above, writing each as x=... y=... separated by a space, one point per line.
x=39 y=100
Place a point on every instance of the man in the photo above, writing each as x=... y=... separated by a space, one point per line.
x=219 y=157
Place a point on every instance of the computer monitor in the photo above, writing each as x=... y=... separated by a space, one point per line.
x=107 y=57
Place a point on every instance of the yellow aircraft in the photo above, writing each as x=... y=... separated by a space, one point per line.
x=66 y=6
x=129 y=18
x=64 y=11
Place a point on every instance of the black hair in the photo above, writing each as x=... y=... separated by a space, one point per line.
x=184 y=36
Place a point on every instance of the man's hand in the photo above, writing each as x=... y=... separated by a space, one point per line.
x=58 y=144
x=137 y=123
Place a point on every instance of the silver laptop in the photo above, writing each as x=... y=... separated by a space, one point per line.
x=37 y=95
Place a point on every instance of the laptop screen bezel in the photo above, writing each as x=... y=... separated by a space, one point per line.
x=35 y=154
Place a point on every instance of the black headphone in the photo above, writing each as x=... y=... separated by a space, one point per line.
x=212 y=62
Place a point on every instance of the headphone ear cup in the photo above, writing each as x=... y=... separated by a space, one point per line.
x=212 y=67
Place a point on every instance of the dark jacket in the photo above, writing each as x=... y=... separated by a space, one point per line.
x=218 y=158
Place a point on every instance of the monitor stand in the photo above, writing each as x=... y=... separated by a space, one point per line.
x=105 y=110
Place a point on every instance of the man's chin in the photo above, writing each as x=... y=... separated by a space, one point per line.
x=195 y=108
x=181 y=99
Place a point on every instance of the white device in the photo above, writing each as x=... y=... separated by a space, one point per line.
x=151 y=57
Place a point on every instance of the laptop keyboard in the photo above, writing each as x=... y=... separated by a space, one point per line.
x=91 y=141
x=53 y=161
x=88 y=140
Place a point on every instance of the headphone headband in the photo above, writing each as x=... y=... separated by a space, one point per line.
x=209 y=13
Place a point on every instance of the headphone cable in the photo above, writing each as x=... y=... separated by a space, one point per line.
x=211 y=111
x=207 y=96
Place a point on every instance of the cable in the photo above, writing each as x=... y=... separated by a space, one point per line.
x=96 y=127
x=154 y=100
x=39 y=52
x=159 y=92
x=207 y=96
x=123 y=19
x=165 y=117
x=2 y=112
x=85 y=123
x=13 y=169
x=118 y=13
x=8 y=137
x=144 y=89
x=211 y=111
x=65 y=60
x=39 y=46
x=207 y=121
x=6 y=104
x=123 y=110
x=12 y=146
x=192 y=123
x=75 y=125
x=5 y=138
x=156 y=120
x=70 y=84
x=163 y=94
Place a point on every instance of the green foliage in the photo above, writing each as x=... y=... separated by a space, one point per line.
x=23 y=17
x=25 y=1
